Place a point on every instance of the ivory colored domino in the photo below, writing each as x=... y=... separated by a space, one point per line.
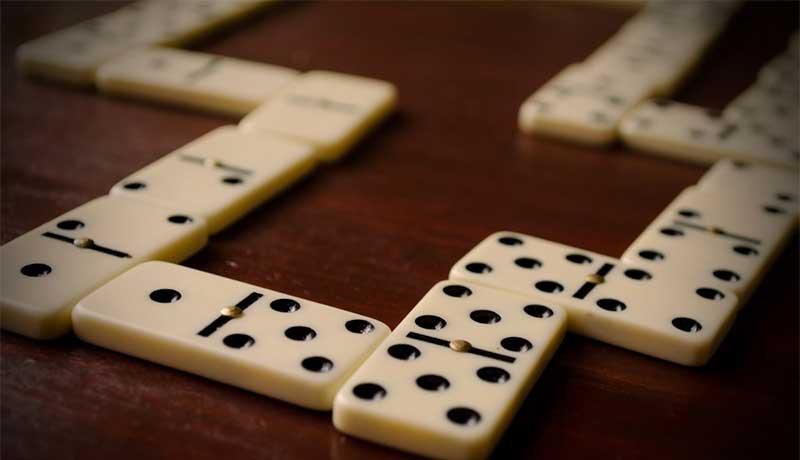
x=770 y=184
x=73 y=55
x=581 y=104
x=664 y=72
x=188 y=20
x=662 y=43
x=771 y=111
x=699 y=135
x=222 y=175
x=448 y=380
x=656 y=313
x=770 y=106
x=720 y=237
x=46 y=271
x=330 y=110
x=656 y=27
x=264 y=341
x=650 y=55
x=192 y=79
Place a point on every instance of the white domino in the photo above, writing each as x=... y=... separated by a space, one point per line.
x=254 y=338
x=770 y=105
x=330 y=110
x=221 y=175
x=717 y=236
x=700 y=135
x=775 y=107
x=450 y=377
x=47 y=270
x=581 y=104
x=192 y=79
x=656 y=313
x=769 y=110
x=650 y=55
x=662 y=73
x=770 y=184
x=662 y=43
x=73 y=55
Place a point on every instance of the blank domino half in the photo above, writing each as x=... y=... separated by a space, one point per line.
x=582 y=104
x=700 y=135
x=192 y=79
x=721 y=237
x=330 y=110
x=46 y=271
x=221 y=175
x=450 y=377
x=655 y=313
x=73 y=55
x=254 y=338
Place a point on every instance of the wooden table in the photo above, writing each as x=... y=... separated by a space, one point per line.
x=376 y=231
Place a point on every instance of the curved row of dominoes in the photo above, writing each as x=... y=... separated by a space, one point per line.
x=449 y=378
x=761 y=124
x=651 y=55
x=74 y=54
x=167 y=210
x=610 y=94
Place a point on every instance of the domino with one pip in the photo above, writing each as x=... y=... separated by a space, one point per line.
x=448 y=380
x=265 y=341
x=47 y=270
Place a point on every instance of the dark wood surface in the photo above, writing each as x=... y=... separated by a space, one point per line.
x=374 y=232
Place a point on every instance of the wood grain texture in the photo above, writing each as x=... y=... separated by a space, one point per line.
x=374 y=232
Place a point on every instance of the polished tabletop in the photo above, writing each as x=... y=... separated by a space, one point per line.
x=375 y=231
